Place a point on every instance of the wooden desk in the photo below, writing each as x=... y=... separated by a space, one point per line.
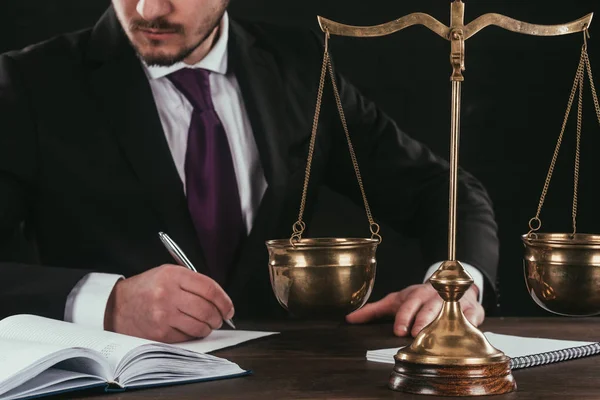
x=327 y=361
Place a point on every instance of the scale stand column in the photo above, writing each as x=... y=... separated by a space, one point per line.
x=450 y=356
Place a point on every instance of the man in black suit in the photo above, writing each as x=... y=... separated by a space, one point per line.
x=167 y=116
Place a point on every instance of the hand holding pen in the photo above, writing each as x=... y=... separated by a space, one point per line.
x=182 y=260
x=167 y=304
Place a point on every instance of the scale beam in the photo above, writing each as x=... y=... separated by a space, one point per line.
x=458 y=32
x=335 y=28
x=502 y=21
x=525 y=28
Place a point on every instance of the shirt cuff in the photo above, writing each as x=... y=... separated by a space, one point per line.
x=86 y=304
x=474 y=272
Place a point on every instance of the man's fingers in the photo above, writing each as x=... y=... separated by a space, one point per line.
x=426 y=314
x=384 y=307
x=168 y=334
x=415 y=307
x=176 y=336
x=475 y=315
x=210 y=290
x=190 y=327
x=404 y=294
x=199 y=308
x=406 y=314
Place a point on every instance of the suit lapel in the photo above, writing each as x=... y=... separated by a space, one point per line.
x=123 y=92
x=262 y=91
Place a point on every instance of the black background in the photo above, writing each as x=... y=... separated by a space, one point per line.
x=514 y=99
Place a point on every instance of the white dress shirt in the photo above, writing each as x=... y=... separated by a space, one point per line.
x=87 y=301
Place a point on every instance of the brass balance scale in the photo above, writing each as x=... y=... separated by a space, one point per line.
x=334 y=276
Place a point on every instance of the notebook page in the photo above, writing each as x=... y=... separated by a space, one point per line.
x=112 y=346
x=517 y=346
x=512 y=346
x=164 y=368
x=53 y=380
x=221 y=339
x=160 y=358
x=149 y=367
x=229 y=372
x=21 y=361
x=16 y=356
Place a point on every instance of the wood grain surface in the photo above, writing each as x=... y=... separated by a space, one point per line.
x=315 y=360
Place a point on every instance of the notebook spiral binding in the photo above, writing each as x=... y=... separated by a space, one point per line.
x=554 y=356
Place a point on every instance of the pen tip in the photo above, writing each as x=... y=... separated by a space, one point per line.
x=230 y=323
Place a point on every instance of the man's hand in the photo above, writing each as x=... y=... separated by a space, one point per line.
x=167 y=304
x=415 y=307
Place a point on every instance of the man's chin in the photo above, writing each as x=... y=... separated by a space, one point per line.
x=161 y=58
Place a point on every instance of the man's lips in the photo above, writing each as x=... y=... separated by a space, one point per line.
x=157 y=33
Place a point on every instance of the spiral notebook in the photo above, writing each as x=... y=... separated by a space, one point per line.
x=524 y=352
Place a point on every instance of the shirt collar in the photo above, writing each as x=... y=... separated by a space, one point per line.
x=215 y=61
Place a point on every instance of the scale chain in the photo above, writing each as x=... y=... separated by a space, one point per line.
x=578 y=86
x=299 y=226
x=594 y=93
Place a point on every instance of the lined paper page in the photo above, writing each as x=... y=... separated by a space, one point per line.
x=21 y=361
x=53 y=380
x=16 y=355
x=112 y=346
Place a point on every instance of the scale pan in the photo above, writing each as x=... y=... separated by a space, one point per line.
x=322 y=277
x=562 y=272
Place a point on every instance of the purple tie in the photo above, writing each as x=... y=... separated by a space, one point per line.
x=212 y=191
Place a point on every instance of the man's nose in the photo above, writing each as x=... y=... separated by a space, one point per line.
x=153 y=9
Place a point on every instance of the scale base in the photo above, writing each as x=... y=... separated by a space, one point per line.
x=450 y=356
x=452 y=380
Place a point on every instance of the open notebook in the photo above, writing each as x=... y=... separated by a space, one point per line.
x=40 y=356
x=523 y=351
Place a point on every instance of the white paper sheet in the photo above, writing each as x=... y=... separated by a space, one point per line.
x=221 y=339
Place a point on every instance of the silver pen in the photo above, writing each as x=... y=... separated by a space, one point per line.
x=181 y=258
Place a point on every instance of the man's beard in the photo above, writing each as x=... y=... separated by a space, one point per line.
x=166 y=60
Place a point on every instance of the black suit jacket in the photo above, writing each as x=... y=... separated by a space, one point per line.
x=86 y=170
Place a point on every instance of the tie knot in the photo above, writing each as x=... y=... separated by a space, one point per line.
x=194 y=85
